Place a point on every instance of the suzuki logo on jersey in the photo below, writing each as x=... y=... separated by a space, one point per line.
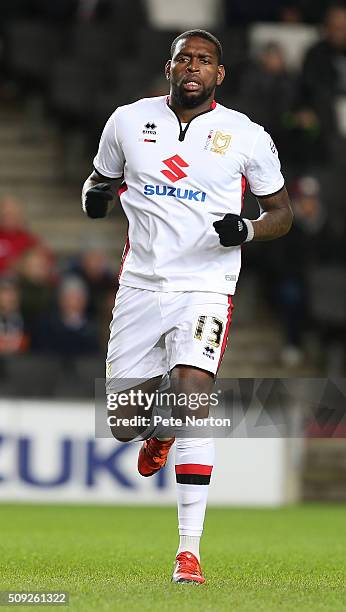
x=176 y=192
x=174 y=174
x=175 y=165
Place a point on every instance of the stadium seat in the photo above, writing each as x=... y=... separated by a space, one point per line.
x=154 y=47
x=66 y=382
x=73 y=85
x=327 y=293
x=32 y=47
x=94 y=44
x=235 y=45
x=87 y=370
x=108 y=99
x=76 y=377
x=30 y=375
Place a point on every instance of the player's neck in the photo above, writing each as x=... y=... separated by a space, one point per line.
x=187 y=114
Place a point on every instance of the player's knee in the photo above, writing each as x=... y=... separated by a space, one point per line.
x=119 y=438
x=125 y=433
x=122 y=436
x=191 y=379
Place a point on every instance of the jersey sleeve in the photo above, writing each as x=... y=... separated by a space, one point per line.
x=263 y=170
x=109 y=160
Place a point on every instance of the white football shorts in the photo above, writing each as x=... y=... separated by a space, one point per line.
x=153 y=331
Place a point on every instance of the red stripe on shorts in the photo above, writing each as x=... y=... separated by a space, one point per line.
x=225 y=336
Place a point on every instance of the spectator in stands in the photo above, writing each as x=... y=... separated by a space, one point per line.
x=67 y=331
x=284 y=270
x=37 y=278
x=267 y=91
x=105 y=318
x=291 y=13
x=15 y=239
x=324 y=71
x=313 y=11
x=94 y=270
x=13 y=338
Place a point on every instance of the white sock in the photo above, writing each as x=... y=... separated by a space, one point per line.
x=194 y=459
x=190 y=543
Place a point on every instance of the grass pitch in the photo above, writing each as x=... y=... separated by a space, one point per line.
x=116 y=558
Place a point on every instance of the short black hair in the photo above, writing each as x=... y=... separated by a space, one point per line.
x=199 y=34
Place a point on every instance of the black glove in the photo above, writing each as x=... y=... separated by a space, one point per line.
x=233 y=230
x=96 y=200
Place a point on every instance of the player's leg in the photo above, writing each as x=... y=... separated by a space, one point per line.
x=136 y=359
x=194 y=460
x=133 y=409
x=195 y=349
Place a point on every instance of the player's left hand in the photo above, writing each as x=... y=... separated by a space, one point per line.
x=233 y=230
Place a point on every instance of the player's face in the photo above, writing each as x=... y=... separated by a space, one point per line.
x=194 y=72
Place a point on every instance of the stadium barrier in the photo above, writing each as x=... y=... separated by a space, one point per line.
x=49 y=454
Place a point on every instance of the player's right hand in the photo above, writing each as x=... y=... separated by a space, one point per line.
x=96 y=200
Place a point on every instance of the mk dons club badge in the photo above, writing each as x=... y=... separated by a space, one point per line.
x=221 y=143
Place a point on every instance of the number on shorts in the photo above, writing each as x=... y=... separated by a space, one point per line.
x=215 y=332
x=200 y=327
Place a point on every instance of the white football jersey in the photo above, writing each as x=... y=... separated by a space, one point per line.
x=177 y=182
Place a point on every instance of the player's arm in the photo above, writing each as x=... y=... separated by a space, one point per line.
x=275 y=221
x=263 y=173
x=98 y=191
x=276 y=216
x=101 y=186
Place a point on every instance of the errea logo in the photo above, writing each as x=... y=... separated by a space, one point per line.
x=150 y=128
x=175 y=165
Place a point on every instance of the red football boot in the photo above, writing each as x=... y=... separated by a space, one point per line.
x=187 y=569
x=153 y=455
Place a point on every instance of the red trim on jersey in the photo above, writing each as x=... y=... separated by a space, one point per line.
x=194 y=468
x=123 y=187
x=243 y=189
x=225 y=337
x=213 y=104
x=124 y=255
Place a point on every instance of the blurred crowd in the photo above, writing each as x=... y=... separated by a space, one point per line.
x=47 y=306
x=230 y=11
x=286 y=69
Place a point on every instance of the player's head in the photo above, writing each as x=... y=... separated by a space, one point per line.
x=195 y=68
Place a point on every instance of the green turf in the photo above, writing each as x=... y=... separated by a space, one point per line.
x=121 y=558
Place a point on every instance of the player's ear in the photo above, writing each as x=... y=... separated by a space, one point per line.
x=220 y=74
x=168 y=70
